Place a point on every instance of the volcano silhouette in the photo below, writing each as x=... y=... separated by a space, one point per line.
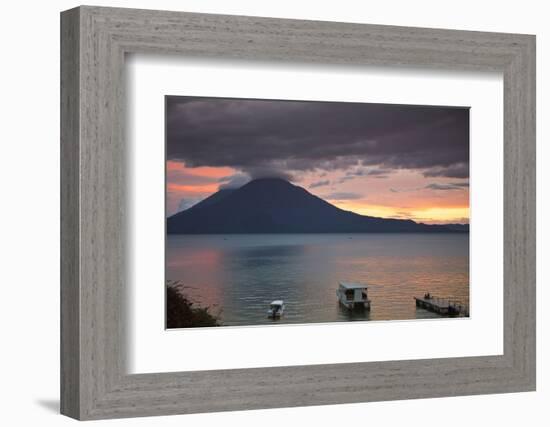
x=273 y=205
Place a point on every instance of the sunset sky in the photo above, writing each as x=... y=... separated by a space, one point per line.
x=392 y=161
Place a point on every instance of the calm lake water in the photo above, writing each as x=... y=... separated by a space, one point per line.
x=239 y=275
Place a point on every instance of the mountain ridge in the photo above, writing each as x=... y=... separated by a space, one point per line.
x=275 y=206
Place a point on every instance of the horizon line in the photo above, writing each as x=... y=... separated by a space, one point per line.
x=314 y=195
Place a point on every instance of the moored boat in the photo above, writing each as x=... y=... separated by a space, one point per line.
x=276 y=309
x=353 y=295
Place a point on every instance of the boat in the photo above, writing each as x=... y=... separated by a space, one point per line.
x=276 y=309
x=353 y=295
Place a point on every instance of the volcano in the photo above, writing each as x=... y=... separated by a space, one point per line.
x=273 y=205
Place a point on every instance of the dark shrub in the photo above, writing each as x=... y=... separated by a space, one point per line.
x=181 y=312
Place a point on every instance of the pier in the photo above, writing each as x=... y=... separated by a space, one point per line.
x=442 y=305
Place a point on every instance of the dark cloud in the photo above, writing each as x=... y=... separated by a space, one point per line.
x=343 y=196
x=233 y=181
x=457 y=170
x=190 y=179
x=369 y=172
x=374 y=172
x=260 y=137
x=320 y=184
x=451 y=186
x=434 y=186
x=407 y=190
x=402 y=214
x=345 y=178
x=268 y=171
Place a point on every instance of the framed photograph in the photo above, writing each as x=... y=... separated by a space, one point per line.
x=298 y=211
x=345 y=212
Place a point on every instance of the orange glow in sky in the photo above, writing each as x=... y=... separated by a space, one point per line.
x=205 y=171
x=401 y=193
x=185 y=190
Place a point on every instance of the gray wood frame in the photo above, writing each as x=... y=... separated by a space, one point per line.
x=94 y=382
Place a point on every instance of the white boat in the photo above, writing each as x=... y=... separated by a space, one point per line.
x=276 y=309
x=353 y=295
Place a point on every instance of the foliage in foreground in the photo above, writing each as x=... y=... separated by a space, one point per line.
x=181 y=312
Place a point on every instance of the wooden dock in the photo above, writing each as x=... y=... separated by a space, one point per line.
x=442 y=305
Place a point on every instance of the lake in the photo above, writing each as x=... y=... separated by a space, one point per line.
x=238 y=276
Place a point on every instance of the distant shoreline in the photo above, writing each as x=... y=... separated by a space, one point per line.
x=325 y=232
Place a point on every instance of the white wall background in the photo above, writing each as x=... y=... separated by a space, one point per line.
x=29 y=212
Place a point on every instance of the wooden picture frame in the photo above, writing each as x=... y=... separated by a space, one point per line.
x=94 y=382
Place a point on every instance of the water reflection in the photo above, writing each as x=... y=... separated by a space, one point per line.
x=242 y=274
x=357 y=314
